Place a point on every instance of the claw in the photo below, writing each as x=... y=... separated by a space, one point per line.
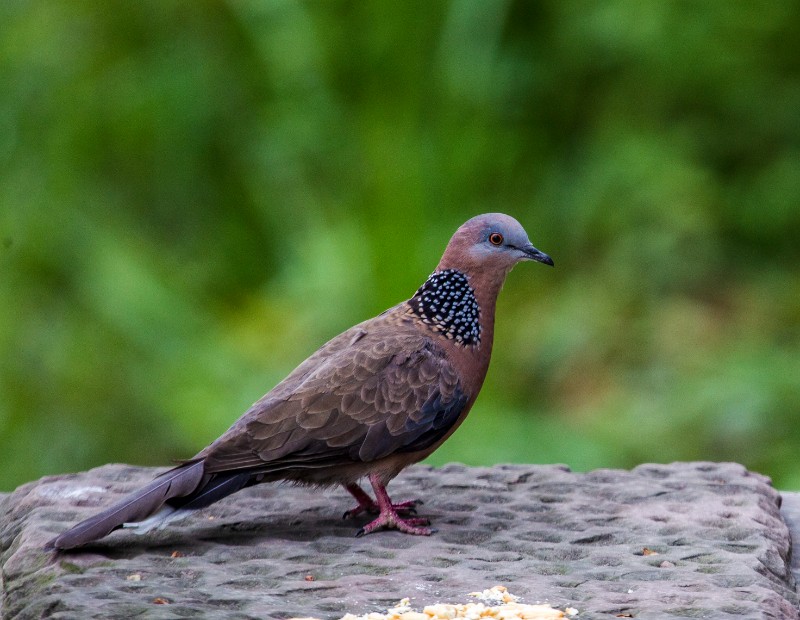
x=365 y=504
x=388 y=513
x=390 y=521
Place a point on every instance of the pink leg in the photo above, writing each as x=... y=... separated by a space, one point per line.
x=388 y=519
x=365 y=504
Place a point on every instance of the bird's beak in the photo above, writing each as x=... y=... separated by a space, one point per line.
x=531 y=253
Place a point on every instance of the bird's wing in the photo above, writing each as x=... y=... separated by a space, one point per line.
x=362 y=397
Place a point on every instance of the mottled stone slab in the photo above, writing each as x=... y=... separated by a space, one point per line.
x=790 y=511
x=686 y=540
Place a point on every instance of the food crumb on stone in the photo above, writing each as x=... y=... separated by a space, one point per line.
x=496 y=602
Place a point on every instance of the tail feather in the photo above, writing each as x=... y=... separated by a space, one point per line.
x=178 y=482
x=214 y=489
x=221 y=485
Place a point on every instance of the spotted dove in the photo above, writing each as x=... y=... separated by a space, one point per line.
x=383 y=395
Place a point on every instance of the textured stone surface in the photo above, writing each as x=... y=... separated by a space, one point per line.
x=790 y=511
x=684 y=540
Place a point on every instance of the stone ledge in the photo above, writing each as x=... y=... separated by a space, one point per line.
x=684 y=540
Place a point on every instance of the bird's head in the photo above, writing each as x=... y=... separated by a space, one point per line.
x=492 y=242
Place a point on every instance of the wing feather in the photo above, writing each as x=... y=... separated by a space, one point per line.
x=362 y=399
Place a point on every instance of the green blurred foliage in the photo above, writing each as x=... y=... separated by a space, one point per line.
x=195 y=195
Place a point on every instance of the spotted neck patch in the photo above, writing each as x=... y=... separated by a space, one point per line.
x=447 y=303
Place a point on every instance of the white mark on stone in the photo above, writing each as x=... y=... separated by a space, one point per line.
x=63 y=491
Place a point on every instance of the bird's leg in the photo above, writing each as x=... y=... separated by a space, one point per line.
x=365 y=503
x=388 y=517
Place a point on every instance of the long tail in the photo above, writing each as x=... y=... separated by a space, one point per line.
x=176 y=483
x=212 y=490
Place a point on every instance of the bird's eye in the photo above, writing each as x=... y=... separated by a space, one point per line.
x=496 y=239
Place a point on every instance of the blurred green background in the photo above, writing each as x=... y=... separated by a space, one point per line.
x=195 y=195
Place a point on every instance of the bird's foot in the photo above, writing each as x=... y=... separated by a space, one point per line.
x=366 y=504
x=388 y=512
x=390 y=520
x=408 y=507
x=401 y=508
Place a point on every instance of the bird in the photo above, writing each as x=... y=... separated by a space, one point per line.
x=380 y=396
